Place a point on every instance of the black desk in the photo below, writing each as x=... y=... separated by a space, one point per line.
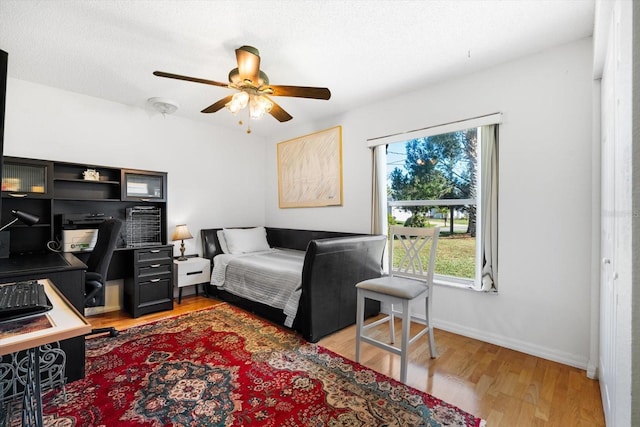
x=67 y=274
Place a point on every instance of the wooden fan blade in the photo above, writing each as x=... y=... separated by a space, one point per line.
x=217 y=105
x=248 y=64
x=278 y=112
x=189 y=79
x=298 y=91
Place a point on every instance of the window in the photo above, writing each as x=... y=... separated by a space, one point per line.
x=448 y=180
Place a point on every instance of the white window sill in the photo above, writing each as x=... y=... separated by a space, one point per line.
x=453 y=282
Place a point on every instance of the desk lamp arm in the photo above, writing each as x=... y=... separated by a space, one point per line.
x=25 y=217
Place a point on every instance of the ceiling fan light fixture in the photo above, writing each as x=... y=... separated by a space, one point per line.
x=259 y=106
x=238 y=102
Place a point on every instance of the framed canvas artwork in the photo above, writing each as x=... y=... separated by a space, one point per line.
x=310 y=170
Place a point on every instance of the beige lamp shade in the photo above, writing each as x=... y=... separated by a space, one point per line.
x=181 y=233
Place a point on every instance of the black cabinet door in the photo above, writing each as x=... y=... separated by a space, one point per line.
x=27 y=178
x=144 y=186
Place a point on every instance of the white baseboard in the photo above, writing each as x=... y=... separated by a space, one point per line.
x=510 y=343
x=514 y=344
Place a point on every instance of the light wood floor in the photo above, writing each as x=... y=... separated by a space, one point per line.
x=504 y=387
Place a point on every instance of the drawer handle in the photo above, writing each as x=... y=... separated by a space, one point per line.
x=17 y=195
x=144 y=199
x=154 y=251
x=155 y=265
x=154 y=280
x=194 y=272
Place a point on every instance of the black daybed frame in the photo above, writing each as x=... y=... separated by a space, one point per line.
x=334 y=262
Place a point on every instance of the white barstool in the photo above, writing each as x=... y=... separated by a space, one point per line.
x=410 y=281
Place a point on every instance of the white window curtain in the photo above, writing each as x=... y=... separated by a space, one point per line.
x=379 y=194
x=489 y=207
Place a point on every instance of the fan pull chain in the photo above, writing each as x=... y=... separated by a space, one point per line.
x=248 y=120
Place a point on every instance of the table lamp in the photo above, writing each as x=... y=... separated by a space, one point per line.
x=25 y=217
x=181 y=233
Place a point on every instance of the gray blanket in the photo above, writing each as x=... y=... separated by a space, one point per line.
x=271 y=277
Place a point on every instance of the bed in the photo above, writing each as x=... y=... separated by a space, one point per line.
x=302 y=279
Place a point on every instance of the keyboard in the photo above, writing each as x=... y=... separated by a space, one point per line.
x=22 y=299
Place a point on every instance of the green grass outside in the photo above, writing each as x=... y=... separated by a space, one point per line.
x=455 y=255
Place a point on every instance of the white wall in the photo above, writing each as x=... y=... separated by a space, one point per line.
x=543 y=304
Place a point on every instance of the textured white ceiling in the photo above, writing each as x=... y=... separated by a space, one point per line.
x=363 y=51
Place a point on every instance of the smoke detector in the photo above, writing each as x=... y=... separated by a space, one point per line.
x=163 y=105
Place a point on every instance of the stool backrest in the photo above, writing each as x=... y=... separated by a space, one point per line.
x=412 y=252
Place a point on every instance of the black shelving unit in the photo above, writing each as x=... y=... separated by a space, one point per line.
x=53 y=190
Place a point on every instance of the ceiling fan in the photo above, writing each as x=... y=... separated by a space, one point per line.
x=253 y=88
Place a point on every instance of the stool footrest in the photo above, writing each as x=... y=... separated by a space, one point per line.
x=380 y=344
x=373 y=341
x=376 y=323
x=419 y=334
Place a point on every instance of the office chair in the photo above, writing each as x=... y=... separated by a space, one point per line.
x=98 y=265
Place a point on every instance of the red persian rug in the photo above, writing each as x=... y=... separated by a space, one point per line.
x=224 y=367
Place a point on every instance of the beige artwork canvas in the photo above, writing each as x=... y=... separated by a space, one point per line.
x=310 y=170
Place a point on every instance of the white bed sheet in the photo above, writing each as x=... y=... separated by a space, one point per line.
x=270 y=277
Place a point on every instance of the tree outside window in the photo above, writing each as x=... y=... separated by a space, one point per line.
x=434 y=179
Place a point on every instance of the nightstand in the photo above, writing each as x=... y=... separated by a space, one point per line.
x=193 y=271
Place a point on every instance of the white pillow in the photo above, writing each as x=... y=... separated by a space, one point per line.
x=245 y=240
x=223 y=242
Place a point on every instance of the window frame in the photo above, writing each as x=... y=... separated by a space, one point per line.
x=476 y=122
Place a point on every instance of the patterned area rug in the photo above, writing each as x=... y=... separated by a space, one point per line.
x=224 y=367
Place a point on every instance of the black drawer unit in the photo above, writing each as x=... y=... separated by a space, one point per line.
x=150 y=289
